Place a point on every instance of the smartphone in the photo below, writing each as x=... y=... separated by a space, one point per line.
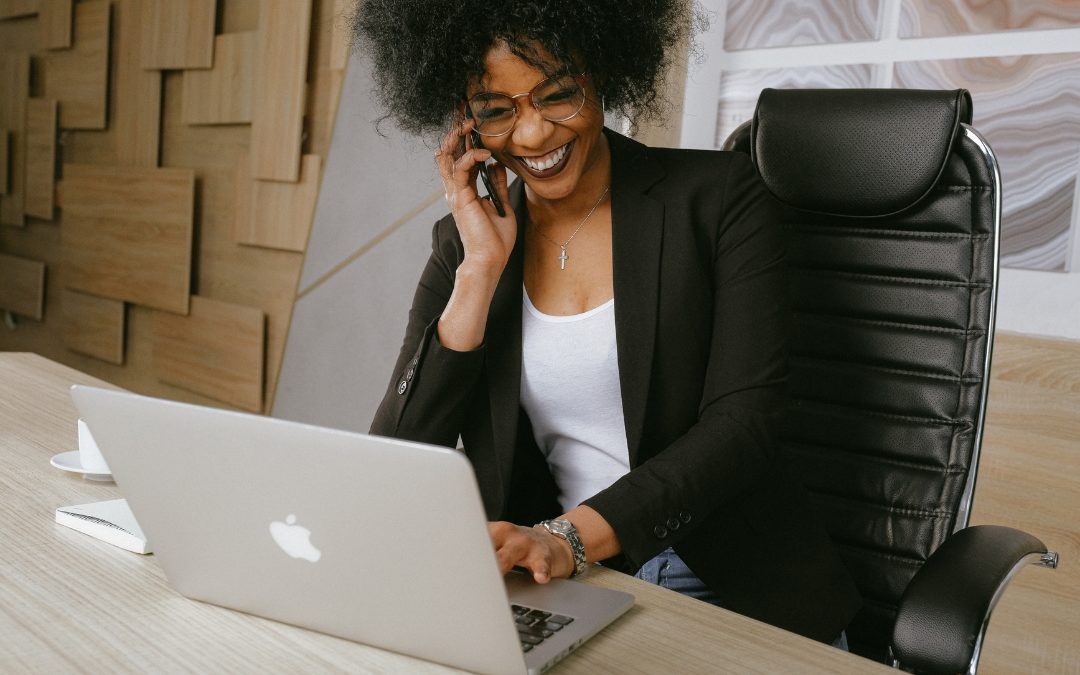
x=485 y=172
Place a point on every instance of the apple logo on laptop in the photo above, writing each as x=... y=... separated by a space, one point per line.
x=294 y=539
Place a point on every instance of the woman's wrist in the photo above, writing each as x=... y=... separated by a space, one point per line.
x=597 y=535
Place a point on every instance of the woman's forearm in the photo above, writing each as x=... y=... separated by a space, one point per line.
x=464 y=321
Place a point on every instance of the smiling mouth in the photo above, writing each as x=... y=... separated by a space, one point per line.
x=549 y=164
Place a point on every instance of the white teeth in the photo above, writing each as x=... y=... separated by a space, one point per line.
x=548 y=161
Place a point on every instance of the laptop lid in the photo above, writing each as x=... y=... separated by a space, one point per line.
x=372 y=539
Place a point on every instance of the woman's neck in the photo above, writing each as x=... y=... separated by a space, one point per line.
x=553 y=213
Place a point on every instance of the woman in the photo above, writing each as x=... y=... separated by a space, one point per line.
x=610 y=349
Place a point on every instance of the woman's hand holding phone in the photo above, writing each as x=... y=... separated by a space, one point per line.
x=487 y=235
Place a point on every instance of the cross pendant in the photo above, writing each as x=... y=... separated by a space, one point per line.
x=563 y=258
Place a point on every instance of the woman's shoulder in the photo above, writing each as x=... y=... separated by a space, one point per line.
x=683 y=168
x=705 y=165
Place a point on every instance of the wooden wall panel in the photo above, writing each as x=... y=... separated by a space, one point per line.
x=94 y=326
x=127 y=233
x=5 y=160
x=281 y=55
x=280 y=213
x=22 y=286
x=41 y=116
x=178 y=34
x=222 y=94
x=217 y=351
x=15 y=83
x=340 y=35
x=136 y=102
x=220 y=268
x=54 y=22
x=79 y=77
x=11 y=9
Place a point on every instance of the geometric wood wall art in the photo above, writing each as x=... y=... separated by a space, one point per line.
x=22 y=286
x=340 y=35
x=136 y=93
x=12 y=9
x=15 y=83
x=5 y=160
x=281 y=56
x=280 y=214
x=222 y=94
x=94 y=326
x=54 y=22
x=127 y=233
x=218 y=350
x=40 y=157
x=79 y=77
x=177 y=34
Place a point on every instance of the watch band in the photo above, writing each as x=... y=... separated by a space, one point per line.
x=564 y=529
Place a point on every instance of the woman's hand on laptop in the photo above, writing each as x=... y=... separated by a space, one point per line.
x=546 y=556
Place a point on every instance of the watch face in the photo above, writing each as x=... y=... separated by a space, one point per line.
x=560 y=526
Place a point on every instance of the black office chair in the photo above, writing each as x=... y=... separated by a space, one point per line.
x=892 y=203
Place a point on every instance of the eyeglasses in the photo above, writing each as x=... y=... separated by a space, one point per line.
x=557 y=99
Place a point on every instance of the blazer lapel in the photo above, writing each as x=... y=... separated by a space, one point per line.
x=504 y=349
x=637 y=235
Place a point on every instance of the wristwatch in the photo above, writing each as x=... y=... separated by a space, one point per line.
x=564 y=529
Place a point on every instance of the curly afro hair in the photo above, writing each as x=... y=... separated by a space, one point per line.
x=425 y=52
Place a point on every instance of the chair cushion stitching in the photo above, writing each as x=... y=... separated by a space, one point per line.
x=920 y=419
x=886 y=508
x=892 y=371
x=846 y=232
x=891 y=279
x=811 y=449
x=914 y=327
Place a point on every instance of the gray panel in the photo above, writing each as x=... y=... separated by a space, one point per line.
x=370 y=182
x=346 y=333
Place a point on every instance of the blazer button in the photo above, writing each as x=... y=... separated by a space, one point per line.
x=660 y=531
x=402 y=386
x=673 y=523
x=684 y=516
x=409 y=374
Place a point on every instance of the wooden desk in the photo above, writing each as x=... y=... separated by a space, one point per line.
x=69 y=602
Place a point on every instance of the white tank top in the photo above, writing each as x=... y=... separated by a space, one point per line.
x=570 y=390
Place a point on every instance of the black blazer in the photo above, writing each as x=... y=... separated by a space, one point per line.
x=701 y=322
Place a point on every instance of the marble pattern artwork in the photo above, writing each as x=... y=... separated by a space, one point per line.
x=1028 y=108
x=755 y=24
x=928 y=18
x=739 y=89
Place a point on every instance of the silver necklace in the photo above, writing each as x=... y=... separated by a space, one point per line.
x=562 y=247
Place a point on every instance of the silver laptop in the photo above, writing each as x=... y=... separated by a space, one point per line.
x=375 y=540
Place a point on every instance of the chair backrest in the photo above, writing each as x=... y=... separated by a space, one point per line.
x=892 y=207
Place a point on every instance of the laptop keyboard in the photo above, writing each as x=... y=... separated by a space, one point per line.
x=535 y=625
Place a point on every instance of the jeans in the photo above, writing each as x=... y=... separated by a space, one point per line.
x=668 y=570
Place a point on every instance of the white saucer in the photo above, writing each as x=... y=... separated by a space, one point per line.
x=69 y=461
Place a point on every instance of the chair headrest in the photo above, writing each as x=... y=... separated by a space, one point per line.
x=855 y=152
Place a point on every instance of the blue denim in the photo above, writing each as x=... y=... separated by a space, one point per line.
x=669 y=571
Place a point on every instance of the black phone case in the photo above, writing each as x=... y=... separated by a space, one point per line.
x=489 y=184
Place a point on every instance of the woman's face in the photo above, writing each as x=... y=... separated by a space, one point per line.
x=577 y=144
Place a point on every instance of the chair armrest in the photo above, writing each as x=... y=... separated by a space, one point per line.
x=944 y=610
